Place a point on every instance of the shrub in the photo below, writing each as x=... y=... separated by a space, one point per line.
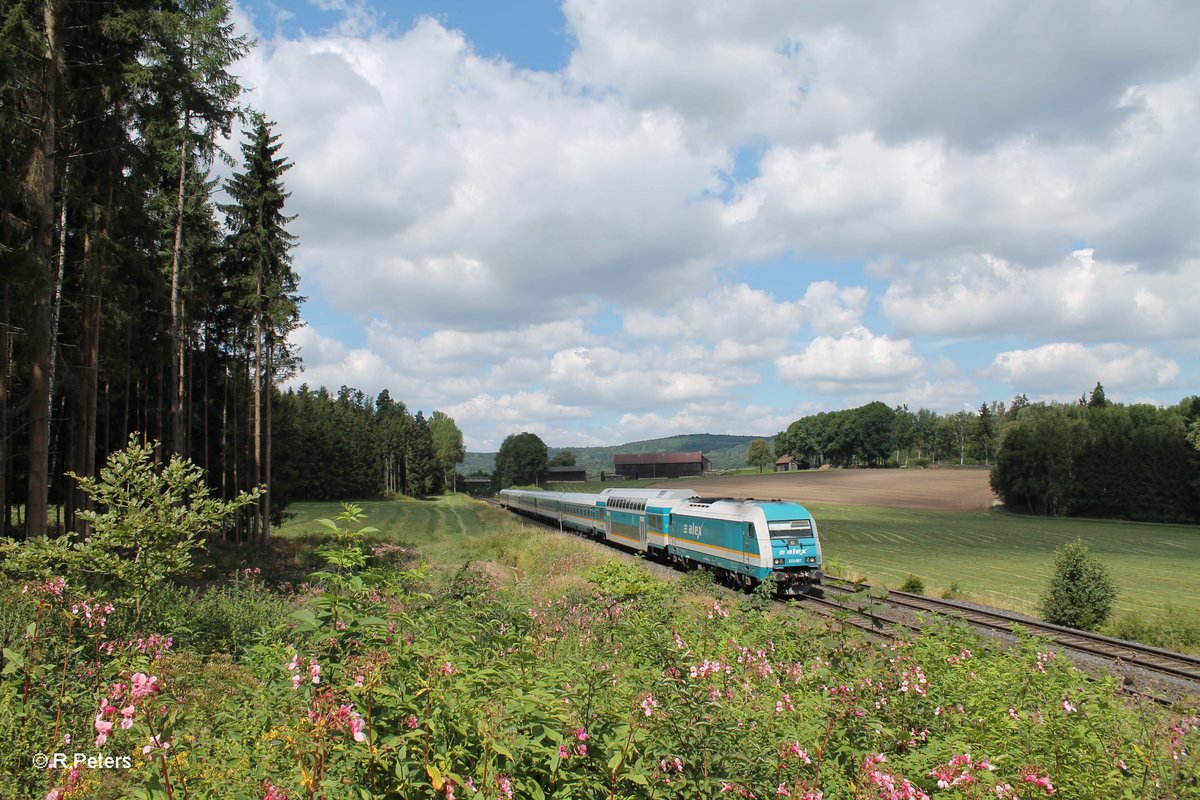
x=1081 y=591
x=953 y=591
x=913 y=585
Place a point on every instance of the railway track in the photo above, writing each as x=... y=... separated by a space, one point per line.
x=1156 y=660
x=880 y=624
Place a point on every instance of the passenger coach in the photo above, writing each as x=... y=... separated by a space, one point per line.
x=745 y=541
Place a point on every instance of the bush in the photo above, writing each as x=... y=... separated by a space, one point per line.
x=953 y=591
x=913 y=585
x=1081 y=591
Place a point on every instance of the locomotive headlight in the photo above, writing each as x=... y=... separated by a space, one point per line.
x=779 y=561
x=810 y=560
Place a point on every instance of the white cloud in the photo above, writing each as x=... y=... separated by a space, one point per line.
x=1080 y=297
x=492 y=221
x=1064 y=370
x=858 y=359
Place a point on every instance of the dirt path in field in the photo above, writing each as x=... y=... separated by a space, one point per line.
x=937 y=489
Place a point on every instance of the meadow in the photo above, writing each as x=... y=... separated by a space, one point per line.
x=438 y=649
x=1005 y=559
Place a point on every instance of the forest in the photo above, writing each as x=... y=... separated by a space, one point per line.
x=133 y=302
x=1092 y=458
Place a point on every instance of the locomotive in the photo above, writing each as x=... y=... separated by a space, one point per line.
x=744 y=541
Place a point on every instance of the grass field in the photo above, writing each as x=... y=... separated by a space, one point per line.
x=995 y=557
x=1006 y=559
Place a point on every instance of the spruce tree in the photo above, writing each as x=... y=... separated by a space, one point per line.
x=258 y=249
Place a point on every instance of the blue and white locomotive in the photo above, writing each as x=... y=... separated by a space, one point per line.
x=745 y=541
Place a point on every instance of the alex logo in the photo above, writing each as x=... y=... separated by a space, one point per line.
x=693 y=529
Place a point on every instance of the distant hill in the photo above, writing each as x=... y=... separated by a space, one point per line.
x=724 y=451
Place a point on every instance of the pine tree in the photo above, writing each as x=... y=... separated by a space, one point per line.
x=258 y=245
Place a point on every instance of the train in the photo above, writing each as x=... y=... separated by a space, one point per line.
x=743 y=541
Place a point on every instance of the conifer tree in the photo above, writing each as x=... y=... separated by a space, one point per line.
x=258 y=248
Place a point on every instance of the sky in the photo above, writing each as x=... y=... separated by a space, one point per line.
x=611 y=220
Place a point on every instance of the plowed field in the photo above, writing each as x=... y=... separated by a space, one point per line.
x=936 y=489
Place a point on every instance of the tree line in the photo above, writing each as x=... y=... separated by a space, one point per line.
x=347 y=445
x=130 y=300
x=1087 y=458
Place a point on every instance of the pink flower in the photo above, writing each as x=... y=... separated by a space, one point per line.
x=155 y=743
x=274 y=793
x=506 y=787
x=127 y=717
x=411 y=722
x=581 y=734
x=104 y=728
x=648 y=705
x=1068 y=706
x=314 y=669
x=447 y=668
x=581 y=750
x=54 y=794
x=357 y=723
x=563 y=752
x=358 y=682
x=782 y=790
x=142 y=686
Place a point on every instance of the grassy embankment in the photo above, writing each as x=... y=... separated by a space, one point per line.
x=995 y=557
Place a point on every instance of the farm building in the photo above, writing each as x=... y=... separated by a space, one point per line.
x=785 y=463
x=660 y=465
x=565 y=474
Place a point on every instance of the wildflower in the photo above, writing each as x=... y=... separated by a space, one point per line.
x=1042 y=781
x=1068 y=706
x=357 y=723
x=103 y=729
x=581 y=734
x=563 y=752
x=127 y=717
x=1012 y=712
x=506 y=787
x=411 y=722
x=782 y=790
x=314 y=670
x=447 y=668
x=358 y=681
x=142 y=686
x=581 y=750
x=649 y=704
x=155 y=743
x=274 y=792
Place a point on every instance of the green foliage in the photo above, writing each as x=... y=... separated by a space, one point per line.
x=563 y=458
x=861 y=436
x=1100 y=460
x=759 y=454
x=148 y=521
x=953 y=592
x=632 y=690
x=522 y=459
x=1081 y=591
x=1174 y=630
x=913 y=585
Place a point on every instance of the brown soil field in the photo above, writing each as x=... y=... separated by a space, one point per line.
x=938 y=489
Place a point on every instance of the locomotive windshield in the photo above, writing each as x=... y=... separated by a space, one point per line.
x=791 y=529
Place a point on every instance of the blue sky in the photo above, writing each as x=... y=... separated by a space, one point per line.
x=609 y=220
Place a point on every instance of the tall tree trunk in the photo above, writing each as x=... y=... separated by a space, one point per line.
x=265 y=500
x=5 y=365
x=176 y=311
x=257 y=411
x=43 y=180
